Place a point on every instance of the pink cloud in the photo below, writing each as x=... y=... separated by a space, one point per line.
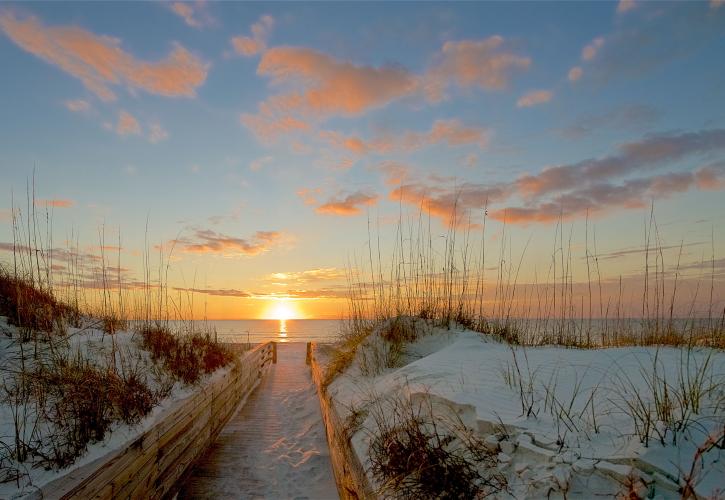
x=534 y=98
x=350 y=205
x=252 y=45
x=486 y=64
x=206 y=241
x=451 y=132
x=55 y=203
x=647 y=153
x=127 y=124
x=194 y=14
x=100 y=62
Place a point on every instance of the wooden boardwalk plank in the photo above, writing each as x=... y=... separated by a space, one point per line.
x=275 y=447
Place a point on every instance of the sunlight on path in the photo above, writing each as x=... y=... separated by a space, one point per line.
x=275 y=447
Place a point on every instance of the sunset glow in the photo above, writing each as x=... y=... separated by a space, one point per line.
x=254 y=156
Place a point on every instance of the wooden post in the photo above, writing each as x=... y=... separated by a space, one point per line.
x=308 y=357
x=274 y=353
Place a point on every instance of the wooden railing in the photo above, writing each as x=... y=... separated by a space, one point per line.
x=150 y=465
x=350 y=477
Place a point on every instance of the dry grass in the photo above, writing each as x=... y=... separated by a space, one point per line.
x=442 y=279
x=417 y=454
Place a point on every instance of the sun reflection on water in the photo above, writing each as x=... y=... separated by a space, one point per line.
x=283 y=330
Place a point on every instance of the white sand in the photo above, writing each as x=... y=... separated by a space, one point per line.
x=275 y=447
x=467 y=371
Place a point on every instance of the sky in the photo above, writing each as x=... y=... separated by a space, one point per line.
x=256 y=143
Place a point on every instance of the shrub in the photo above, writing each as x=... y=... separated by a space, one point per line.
x=185 y=357
x=416 y=454
x=29 y=307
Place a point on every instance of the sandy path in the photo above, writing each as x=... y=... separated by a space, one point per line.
x=275 y=447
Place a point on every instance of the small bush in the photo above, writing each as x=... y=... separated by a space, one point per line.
x=29 y=307
x=416 y=454
x=185 y=357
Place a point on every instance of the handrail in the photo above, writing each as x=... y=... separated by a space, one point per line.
x=150 y=465
x=350 y=477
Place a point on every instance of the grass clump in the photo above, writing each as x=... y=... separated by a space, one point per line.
x=30 y=307
x=185 y=357
x=416 y=454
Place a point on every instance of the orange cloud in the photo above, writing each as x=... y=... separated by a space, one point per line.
x=194 y=14
x=350 y=205
x=333 y=86
x=534 y=98
x=308 y=276
x=206 y=241
x=127 y=124
x=309 y=196
x=451 y=132
x=252 y=45
x=99 y=62
x=473 y=63
x=55 y=203
x=322 y=85
x=448 y=203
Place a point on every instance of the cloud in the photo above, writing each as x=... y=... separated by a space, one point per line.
x=349 y=205
x=100 y=62
x=573 y=190
x=627 y=117
x=600 y=198
x=308 y=276
x=217 y=292
x=668 y=32
x=127 y=124
x=259 y=163
x=252 y=45
x=575 y=73
x=449 y=202
x=625 y=6
x=194 y=14
x=331 y=86
x=394 y=173
x=487 y=64
x=590 y=50
x=77 y=105
x=55 y=203
x=647 y=153
x=534 y=98
x=157 y=133
x=451 y=132
x=267 y=127
x=309 y=196
x=206 y=241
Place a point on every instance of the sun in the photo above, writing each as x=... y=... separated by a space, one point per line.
x=282 y=310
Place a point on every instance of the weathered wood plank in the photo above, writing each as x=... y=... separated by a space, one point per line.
x=350 y=477
x=149 y=465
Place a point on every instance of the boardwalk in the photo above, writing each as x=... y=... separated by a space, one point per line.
x=275 y=446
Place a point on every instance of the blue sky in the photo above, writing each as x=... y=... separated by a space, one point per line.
x=128 y=111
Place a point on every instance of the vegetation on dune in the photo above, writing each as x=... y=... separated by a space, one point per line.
x=65 y=388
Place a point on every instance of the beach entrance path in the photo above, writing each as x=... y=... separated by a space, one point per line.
x=275 y=447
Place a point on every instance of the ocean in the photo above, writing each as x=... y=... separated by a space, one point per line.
x=264 y=330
